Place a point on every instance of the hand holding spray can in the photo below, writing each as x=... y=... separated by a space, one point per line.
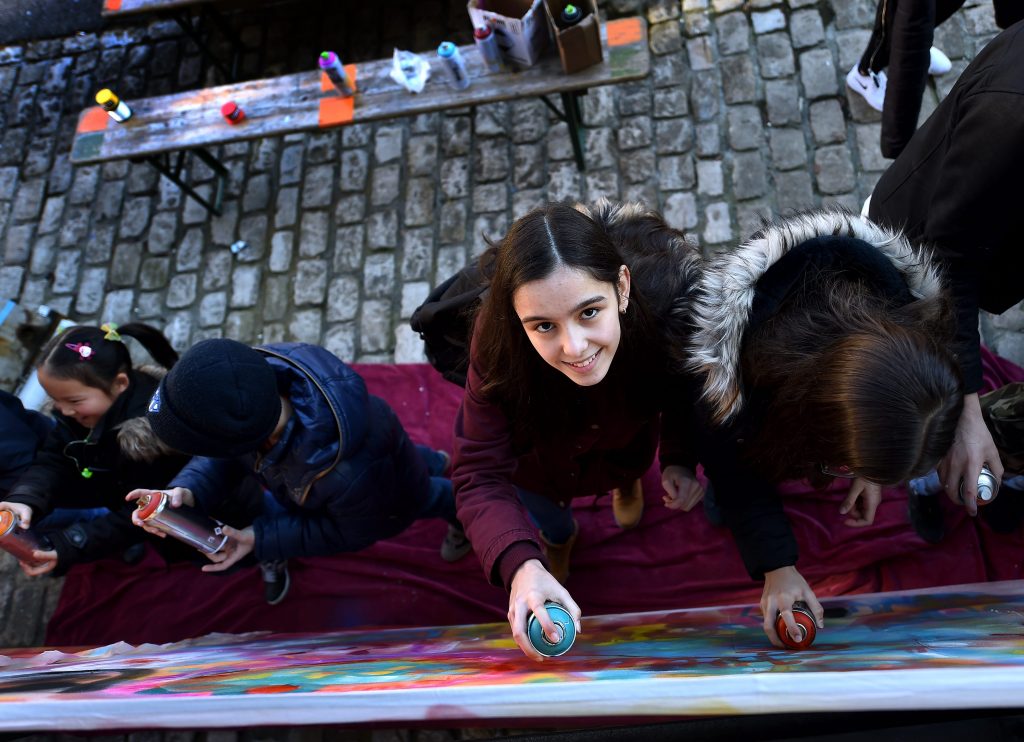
x=487 y=45
x=563 y=623
x=986 y=486
x=453 y=62
x=16 y=540
x=335 y=70
x=183 y=523
x=804 y=621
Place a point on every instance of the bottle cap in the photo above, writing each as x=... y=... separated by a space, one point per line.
x=447 y=49
x=326 y=59
x=482 y=32
x=229 y=109
x=8 y=521
x=148 y=505
x=570 y=12
x=107 y=98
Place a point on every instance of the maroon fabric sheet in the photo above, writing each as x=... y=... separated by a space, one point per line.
x=671 y=560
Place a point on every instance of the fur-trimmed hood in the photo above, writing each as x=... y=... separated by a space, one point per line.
x=727 y=287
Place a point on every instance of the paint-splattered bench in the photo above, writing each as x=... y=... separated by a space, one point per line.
x=192 y=16
x=163 y=130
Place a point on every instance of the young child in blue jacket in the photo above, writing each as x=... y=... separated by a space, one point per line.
x=342 y=471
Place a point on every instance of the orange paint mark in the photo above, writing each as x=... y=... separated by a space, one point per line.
x=273 y=689
x=326 y=84
x=92 y=119
x=111 y=6
x=335 y=111
x=624 y=31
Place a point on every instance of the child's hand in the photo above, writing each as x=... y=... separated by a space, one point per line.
x=24 y=512
x=861 y=503
x=783 y=587
x=531 y=587
x=240 y=543
x=682 y=490
x=45 y=561
x=177 y=497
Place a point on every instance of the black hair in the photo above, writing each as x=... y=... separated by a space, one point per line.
x=63 y=356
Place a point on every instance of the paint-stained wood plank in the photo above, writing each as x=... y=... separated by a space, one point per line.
x=293 y=103
x=117 y=8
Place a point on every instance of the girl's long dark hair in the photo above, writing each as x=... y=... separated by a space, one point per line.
x=842 y=378
x=108 y=357
x=598 y=241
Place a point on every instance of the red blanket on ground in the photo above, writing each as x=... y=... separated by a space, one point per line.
x=671 y=560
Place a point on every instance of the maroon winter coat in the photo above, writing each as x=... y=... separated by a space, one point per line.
x=605 y=437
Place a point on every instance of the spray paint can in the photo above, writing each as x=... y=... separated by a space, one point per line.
x=116 y=108
x=986 y=486
x=331 y=64
x=566 y=628
x=232 y=113
x=453 y=62
x=17 y=540
x=487 y=45
x=804 y=620
x=183 y=523
x=571 y=15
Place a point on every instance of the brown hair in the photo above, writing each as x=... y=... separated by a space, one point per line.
x=597 y=241
x=839 y=377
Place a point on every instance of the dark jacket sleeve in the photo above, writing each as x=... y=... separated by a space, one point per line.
x=678 y=441
x=211 y=481
x=89 y=540
x=485 y=498
x=51 y=472
x=750 y=506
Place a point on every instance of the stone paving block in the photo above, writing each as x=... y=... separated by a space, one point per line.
x=491 y=160
x=387 y=143
x=697 y=24
x=806 y=29
x=124 y=269
x=528 y=165
x=341 y=341
x=708 y=139
x=317 y=186
x=750 y=216
x=818 y=74
x=489 y=197
x=53 y=212
x=775 y=55
x=788 y=148
x=525 y=200
x=456 y=135
x=414 y=293
x=794 y=190
x=452 y=224
x=322 y=146
x=384 y=184
x=245 y=286
x=853 y=13
x=530 y=120
x=868 y=137
x=343 y=298
x=633 y=99
x=767 y=21
x=223 y=226
x=733 y=33
x=253 y=231
x=421 y=154
x=680 y=211
x=701 y=53
x=673 y=135
x=710 y=181
x=487 y=227
x=419 y=201
x=18 y=244
x=382 y=230
x=43 y=257
x=705 y=88
x=11 y=280
x=181 y=291
x=676 y=173
x=745 y=128
x=189 y=252
x=563 y=181
x=91 y=290
x=490 y=120
x=313 y=234
x=718 y=224
x=749 y=175
x=310 y=282
x=670 y=102
x=217 y=266
x=739 y=79
x=289 y=169
x=665 y=37
x=65 y=273
x=827 y=122
x=833 y=169
x=375 y=326
x=782 y=98
x=602 y=184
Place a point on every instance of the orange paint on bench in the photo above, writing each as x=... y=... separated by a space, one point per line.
x=111 y=6
x=336 y=109
x=93 y=119
x=624 y=31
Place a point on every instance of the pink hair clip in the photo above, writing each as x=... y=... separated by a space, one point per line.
x=84 y=350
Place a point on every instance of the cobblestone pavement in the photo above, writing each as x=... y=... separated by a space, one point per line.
x=744 y=114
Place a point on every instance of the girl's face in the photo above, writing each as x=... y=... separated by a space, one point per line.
x=84 y=404
x=572 y=320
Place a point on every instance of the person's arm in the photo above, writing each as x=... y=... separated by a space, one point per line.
x=977 y=194
x=89 y=540
x=677 y=447
x=50 y=472
x=210 y=481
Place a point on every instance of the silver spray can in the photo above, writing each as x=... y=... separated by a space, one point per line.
x=183 y=523
x=986 y=486
x=17 y=540
x=487 y=45
x=453 y=62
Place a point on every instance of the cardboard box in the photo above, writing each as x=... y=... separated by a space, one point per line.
x=520 y=27
x=579 y=46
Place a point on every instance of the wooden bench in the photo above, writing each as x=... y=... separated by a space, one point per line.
x=172 y=125
x=181 y=11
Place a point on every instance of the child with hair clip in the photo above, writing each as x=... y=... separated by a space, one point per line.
x=101 y=447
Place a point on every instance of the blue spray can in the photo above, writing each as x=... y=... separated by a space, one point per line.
x=563 y=622
x=456 y=66
x=335 y=71
x=487 y=45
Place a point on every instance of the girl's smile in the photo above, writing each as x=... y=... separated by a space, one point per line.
x=572 y=321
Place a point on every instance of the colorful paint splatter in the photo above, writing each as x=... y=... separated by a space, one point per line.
x=881 y=651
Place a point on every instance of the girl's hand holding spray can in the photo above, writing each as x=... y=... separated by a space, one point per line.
x=34 y=555
x=173 y=513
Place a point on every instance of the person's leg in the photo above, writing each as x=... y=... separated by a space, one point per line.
x=924 y=507
x=913 y=30
x=555 y=523
x=876 y=55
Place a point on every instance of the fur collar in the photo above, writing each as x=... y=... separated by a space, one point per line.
x=725 y=295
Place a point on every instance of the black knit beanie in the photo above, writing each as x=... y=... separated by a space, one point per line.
x=220 y=400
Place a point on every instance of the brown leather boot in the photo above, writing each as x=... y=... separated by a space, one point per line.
x=558 y=554
x=628 y=507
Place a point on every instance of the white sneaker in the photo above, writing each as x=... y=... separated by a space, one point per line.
x=939 y=64
x=871 y=86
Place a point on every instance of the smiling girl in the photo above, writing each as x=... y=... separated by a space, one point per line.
x=101 y=447
x=572 y=382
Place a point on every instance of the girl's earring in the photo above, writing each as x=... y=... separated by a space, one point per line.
x=623 y=304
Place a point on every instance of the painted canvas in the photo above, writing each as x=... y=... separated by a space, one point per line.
x=877 y=651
